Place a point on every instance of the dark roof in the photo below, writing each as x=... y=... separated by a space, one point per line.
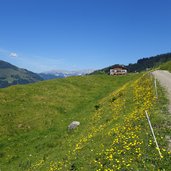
x=119 y=66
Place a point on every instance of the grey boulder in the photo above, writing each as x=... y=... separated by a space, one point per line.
x=73 y=125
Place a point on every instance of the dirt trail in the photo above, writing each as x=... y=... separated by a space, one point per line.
x=164 y=78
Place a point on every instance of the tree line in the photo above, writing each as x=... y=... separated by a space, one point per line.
x=141 y=65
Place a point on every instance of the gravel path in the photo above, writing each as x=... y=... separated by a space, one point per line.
x=164 y=78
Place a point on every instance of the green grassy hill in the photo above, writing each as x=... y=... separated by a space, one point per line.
x=12 y=75
x=166 y=66
x=113 y=133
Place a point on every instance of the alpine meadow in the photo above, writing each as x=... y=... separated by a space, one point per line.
x=85 y=85
x=113 y=134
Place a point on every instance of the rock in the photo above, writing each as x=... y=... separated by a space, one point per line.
x=73 y=125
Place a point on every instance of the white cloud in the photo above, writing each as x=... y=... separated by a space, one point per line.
x=13 y=54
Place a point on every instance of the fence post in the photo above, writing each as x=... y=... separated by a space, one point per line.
x=155 y=140
x=155 y=84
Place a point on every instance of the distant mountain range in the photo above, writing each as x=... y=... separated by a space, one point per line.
x=12 y=75
x=62 y=74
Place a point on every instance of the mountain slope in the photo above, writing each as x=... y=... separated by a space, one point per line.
x=113 y=133
x=31 y=114
x=12 y=75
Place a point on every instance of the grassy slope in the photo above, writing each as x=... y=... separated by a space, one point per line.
x=34 y=118
x=113 y=136
x=166 y=66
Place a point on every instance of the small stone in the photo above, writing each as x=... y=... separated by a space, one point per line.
x=73 y=125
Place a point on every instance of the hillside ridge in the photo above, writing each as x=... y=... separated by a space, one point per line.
x=12 y=75
x=142 y=64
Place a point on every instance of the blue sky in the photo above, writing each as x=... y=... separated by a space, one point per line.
x=42 y=35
